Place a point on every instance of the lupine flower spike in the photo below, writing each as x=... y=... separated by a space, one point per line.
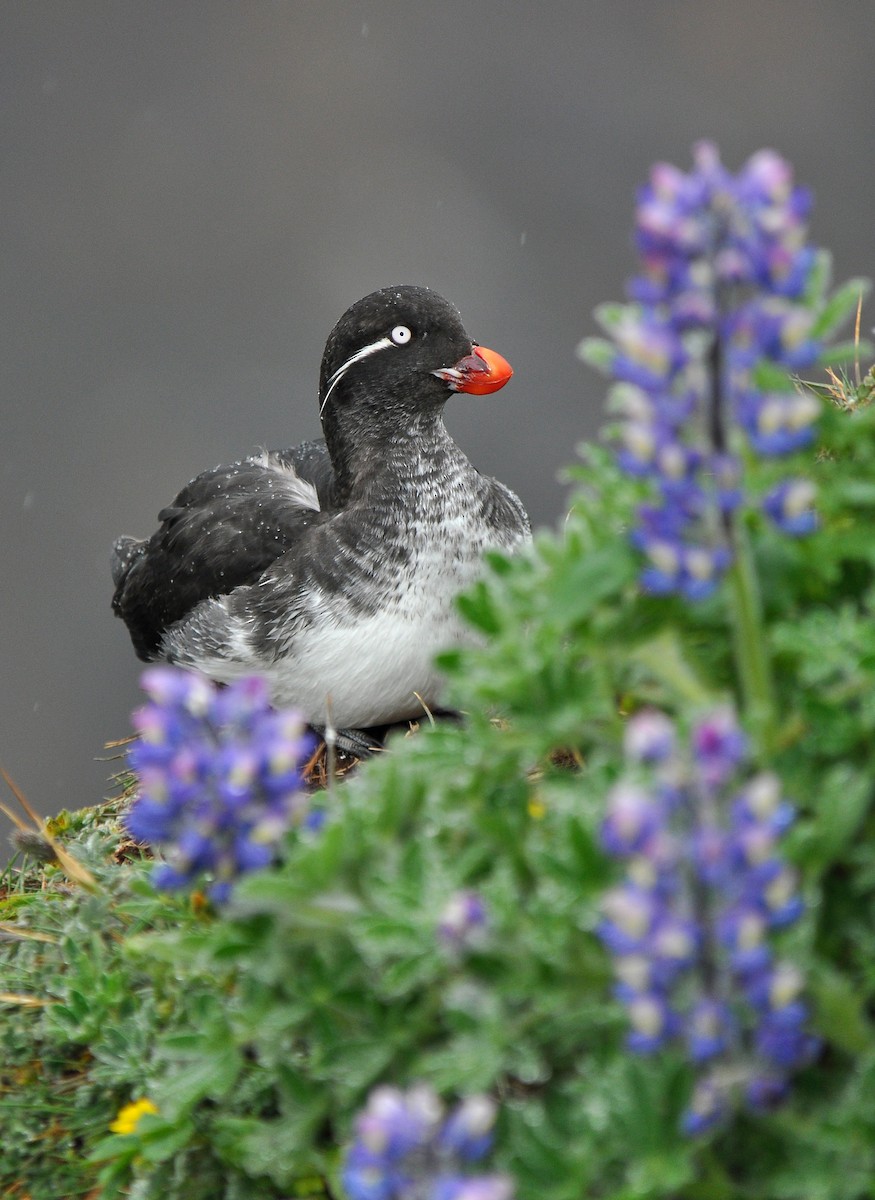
x=701 y=357
x=219 y=777
x=689 y=926
x=408 y=1148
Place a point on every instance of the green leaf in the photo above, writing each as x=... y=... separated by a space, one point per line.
x=499 y=563
x=843 y=354
x=839 y=308
x=585 y=582
x=598 y=353
x=208 y=1067
x=161 y=1140
x=819 y=280
x=841 y=803
x=115 y=1147
x=859 y=492
x=840 y=1008
x=478 y=608
x=284 y=897
x=770 y=377
x=664 y=657
x=358 y=1061
x=279 y=1149
x=611 y=314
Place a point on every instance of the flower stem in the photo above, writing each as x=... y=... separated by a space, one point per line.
x=751 y=655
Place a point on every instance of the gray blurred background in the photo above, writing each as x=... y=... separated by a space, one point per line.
x=193 y=192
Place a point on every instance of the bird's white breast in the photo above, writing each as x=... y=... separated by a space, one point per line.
x=379 y=668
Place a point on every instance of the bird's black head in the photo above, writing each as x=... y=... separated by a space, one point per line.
x=400 y=352
x=389 y=366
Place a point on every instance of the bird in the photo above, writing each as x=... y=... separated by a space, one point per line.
x=331 y=569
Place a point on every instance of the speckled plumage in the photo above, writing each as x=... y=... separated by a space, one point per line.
x=332 y=568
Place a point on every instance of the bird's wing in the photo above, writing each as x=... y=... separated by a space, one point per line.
x=222 y=531
x=310 y=461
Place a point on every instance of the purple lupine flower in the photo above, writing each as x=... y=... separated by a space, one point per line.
x=649 y=736
x=742 y=932
x=778 y=423
x=463 y=921
x=782 y=1039
x=761 y=801
x=790 y=506
x=672 y=946
x=651 y=1021
x=724 y=265
x=467 y=1131
x=719 y=746
x=707 y=1108
x=630 y=914
x=709 y=1029
x=408 y=1148
x=219 y=777
x=631 y=819
x=688 y=927
x=765 y=1092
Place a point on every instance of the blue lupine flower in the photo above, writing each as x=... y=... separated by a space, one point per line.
x=723 y=272
x=219 y=777
x=689 y=925
x=408 y=1148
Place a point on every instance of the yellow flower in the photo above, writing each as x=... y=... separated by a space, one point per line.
x=129 y=1116
x=537 y=809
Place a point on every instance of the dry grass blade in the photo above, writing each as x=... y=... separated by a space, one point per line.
x=426 y=709
x=117 y=743
x=70 y=866
x=24 y=1001
x=32 y=935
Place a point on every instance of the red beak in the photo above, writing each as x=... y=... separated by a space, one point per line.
x=479 y=373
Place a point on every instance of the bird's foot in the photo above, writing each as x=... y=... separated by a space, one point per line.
x=350 y=741
x=362 y=744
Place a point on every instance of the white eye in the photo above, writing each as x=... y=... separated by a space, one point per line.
x=400 y=335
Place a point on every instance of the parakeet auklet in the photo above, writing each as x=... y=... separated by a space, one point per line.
x=331 y=568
